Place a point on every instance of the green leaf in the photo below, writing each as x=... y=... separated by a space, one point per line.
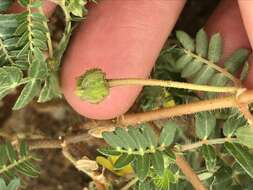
x=231 y=125
x=9 y=79
x=185 y=40
x=245 y=71
x=36 y=4
x=10 y=152
x=3 y=157
x=168 y=133
x=28 y=93
x=163 y=182
x=50 y=90
x=144 y=185
x=209 y=155
x=215 y=48
x=141 y=166
x=133 y=133
x=123 y=161
x=14 y=184
x=113 y=140
x=244 y=136
x=27 y=170
x=242 y=156
x=5 y=4
x=24 y=149
x=150 y=136
x=2 y=184
x=157 y=162
x=139 y=139
x=183 y=61
x=126 y=138
x=108 y=151
x=218 y=79
x=24 y=2
x=201 y=43
x=191 y=68
x=203 y=75
x=236 y=60
x=38 y=70
x=223 y=178
x=205 y=123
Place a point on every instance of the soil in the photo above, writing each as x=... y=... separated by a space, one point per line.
x=57 y=118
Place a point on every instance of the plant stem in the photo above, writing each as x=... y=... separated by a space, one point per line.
x=189 y=173
x=186 y=109
x=183 y=148
x=57 y=143
x=172 y=84
x=244 y=108
x=130 y=184
x=49 y=40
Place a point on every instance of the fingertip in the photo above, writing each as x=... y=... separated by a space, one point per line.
x=246 y=8
x=227 y=20
x=123 y=38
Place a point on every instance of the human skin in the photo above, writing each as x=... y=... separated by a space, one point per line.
x=124 y=39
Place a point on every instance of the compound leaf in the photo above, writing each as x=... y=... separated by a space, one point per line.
x=242 y=156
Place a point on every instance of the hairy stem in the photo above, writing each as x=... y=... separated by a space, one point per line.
x=183 y=148
x=244 y=109
x=171 y=84
x=189 y=173
x=186 y=109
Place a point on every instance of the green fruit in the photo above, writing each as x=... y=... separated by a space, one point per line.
x=92 y=86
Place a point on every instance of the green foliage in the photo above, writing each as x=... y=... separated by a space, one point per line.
x=14 y=162
x=231 y=125
x=194 y=59
x=209 y=155
x=5 y=4
x=142 y=148
x=205 y=123
x=13 y=185
x=244 y=136
x=242 y=156
x=27 y=53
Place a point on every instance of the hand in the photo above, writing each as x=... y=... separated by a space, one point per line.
x=124 y=39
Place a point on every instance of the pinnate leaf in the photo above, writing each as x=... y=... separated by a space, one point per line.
x=242 y=156
x=244 y=136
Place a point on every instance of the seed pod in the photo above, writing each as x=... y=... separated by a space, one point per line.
x=92 y=86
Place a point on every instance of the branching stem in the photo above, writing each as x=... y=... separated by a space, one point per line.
x=183 y=148
x=189 y=173
x=186 y=109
